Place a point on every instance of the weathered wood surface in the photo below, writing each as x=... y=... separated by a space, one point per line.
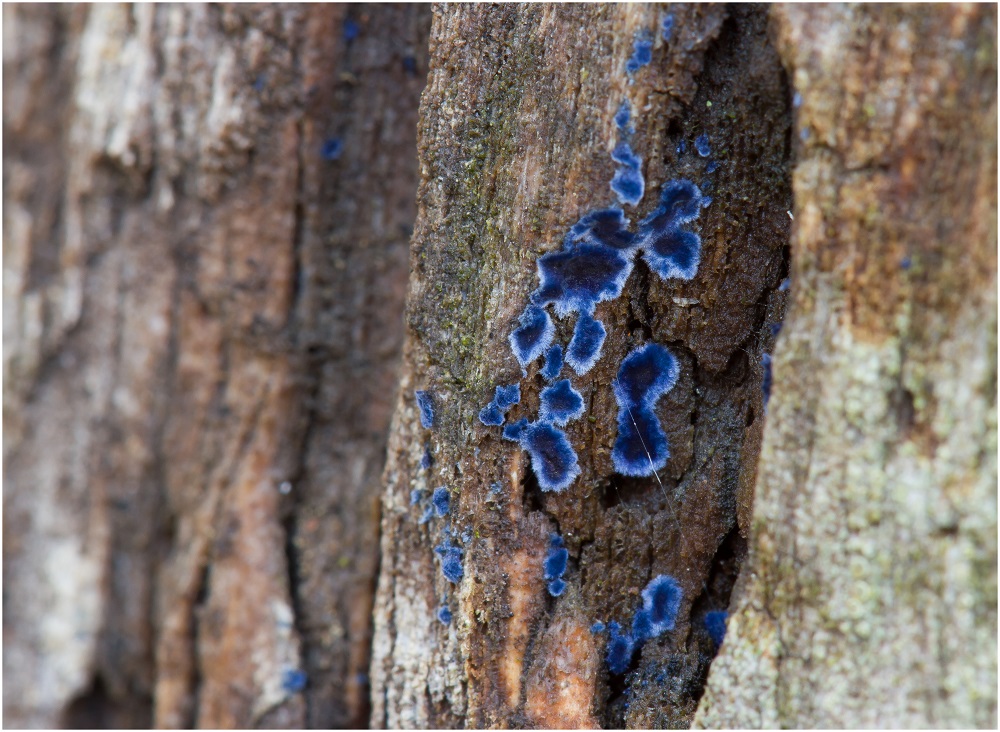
x=869 y=598
x=198 y=309
x=516 y=130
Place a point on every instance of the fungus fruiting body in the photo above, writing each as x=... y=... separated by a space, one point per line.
x=702 y=146
x=553 y=363
x=627 y=182
x=597 y=627
x=552 y=456
x=332 y=149
x=555 y=563
x=765 y=379
x=560 y=403
x=451 y=561
x=620 y=649
x=715 y=624
x=711 y=167
x=415 y=495
x=607 y=226
x=351 y=30
x=515 y=430
x=444 y=614
x=641 y=447
x=506 y=397
x=585 y=347
x=441 y=501
x=642 y=54
x=646 y=374
x=426 y=404
x=426 y=460
x=669 y=250
x=556 y=587
x=576 y=280
x=667 y=28
x=623 y=116
x=293 y=680
x=490 y=415
x=534 y=335
x=662 y=600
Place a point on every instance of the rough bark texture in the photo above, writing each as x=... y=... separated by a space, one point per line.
x=202 y=327
x=516 y=130
x=869 y=598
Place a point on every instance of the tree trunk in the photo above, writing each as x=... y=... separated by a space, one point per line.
x=202 y=328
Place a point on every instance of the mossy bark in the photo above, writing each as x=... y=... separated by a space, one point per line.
x=516 y=130
x=202 y=328
x=869 y=597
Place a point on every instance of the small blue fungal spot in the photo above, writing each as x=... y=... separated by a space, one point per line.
x=553 y=363
x=428 y=515
x=606 y=226
x=557 y=587
x=351 y=30
x=661 y=600
x=535 y=333
x=293 y=680
x=415 y=495
x=667 y=27
x=515 y=430
x=560 y=403
x=426 y=461
x=702 y=146
x=490 y=415
x=451 y=561
x=642 y=626
x=711 y=167
x=765 y=379
x=556 y=541
x=627 y=182
x=623 y=155
x=579 y=279
x=715 y=624
x=426 y=403
x=623 y=116
x=442 y=501
x=644 y=376
x=444 y=614
x=552 y=456
x=642 y=54
x=506 y=397
x=585 y=347
x=555 y=563
x=797 y=100
x=669 y=250
x=775 y=328
x=682 y=147
x=785 y=285
x=597 y=627
x=906 y=263
x=410 y=64
x=332 y=149
x=620 y=649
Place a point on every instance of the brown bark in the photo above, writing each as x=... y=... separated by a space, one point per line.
x=201 y=336
x=515 y=140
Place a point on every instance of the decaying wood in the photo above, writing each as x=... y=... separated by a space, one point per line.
x=516 y=130
x=202 y=327
x=869 y=598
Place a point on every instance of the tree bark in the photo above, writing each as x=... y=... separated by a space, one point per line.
x=516 y=130
x=869 y=599
x=202 y=328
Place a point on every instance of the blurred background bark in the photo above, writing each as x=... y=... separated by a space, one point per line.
x=211 y=221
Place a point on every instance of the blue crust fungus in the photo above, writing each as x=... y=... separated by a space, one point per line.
x=553 y=363
x=646 y=374
x=560 y=403
x=555 y=565
x=621 y=646
x=441 y=501
x=534 y=335
x=504 y=397
x=702 y=145
x=576 y=280
x=627 y=182
x=451 y=561
x=623 y=116
x=642 y=54
x=444 y=615
x=552 y=456
x=585 y=347
x=669 y=250
x=607 y=226
x=715 y=624
x=425 y=402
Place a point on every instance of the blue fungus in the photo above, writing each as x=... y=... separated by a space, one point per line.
x=293 y=680
x=426 y=461
x=426 y=403
x=260 y=82
x=556 y=541
x=557 y=587
x=560 y=403
x=775 y=328
x=797 y=100
x=444 y=614
x=624 y=115
x=606 y=226
x=682 y=147
x=515 y=430
x=351 y=30
x=641 y=447
x=765 y=379
x=534 y=335
x=428 y=515
x=620 y=649
x=332 y=149
x=667 y=28
x=451 y=561
x=785 y=285
x=906 y=263
x=662 y=600
x=497 y=488
x=490 y=415
x=623 y=155
x=410 y=64
x=506 y=397
x=442 y=501
x=628 y=185
x=597 y=627
x=552 y=456
x=715 y=624
x=702 y=146
x=585 y=347
x=415 y=495
x=711 y=167
x=642 y=626
x=642 y=54
x=669 y=250
x=553 y=363
x=555 y=563
x=579 y=279
x=646 y=374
